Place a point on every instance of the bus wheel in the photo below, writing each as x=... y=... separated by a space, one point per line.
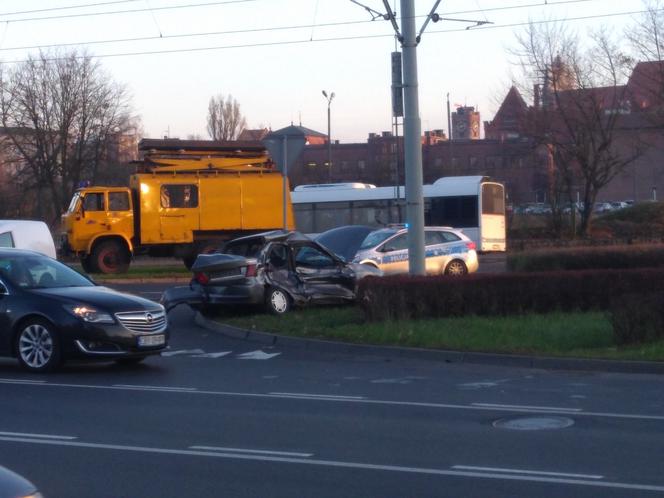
x=456 y=267
x=110 y=256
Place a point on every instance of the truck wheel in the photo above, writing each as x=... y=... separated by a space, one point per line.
x=110 y=256
x=86 y=263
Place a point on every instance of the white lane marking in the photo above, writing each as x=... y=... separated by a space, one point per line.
x=256 y=355
x=22 y=381
x=418 y=404
x=318 y=396
x=182 y=351
x=528 y=472
x=257 y=452
x=538 y=408
x=37 y=436
x=347 y=465
x=400 y=380
x=155 y=388
x=212 y=355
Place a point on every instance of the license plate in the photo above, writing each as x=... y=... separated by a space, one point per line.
x=151 y=340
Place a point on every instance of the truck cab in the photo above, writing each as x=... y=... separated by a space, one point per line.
x=99 y=227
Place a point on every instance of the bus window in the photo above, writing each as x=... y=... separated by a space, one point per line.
x=493 y=200
x=304 y=217
x=330 y=215
x=458 y=211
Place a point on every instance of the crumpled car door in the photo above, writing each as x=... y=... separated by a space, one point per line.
x=325 y=278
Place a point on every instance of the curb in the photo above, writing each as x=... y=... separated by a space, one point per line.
x=523 y=361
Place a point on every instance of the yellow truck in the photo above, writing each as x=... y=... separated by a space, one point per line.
x=185 y=198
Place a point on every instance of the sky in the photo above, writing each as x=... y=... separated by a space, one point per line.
x=275 y=57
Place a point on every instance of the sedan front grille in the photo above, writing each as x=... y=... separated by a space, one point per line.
x=145 y=322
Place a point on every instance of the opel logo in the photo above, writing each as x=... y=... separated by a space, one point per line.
x=149 y=318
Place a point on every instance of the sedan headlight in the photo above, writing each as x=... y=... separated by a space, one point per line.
x=90 y=315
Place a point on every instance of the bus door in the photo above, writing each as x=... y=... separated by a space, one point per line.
x=492 y=219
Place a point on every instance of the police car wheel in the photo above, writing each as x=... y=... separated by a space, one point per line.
x=456 y=267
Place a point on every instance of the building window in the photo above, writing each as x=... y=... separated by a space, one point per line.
x=361 y=164
x=438 y=162
x=472 y=161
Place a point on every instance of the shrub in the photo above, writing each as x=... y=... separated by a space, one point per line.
x=637 y=318
x=580 y=258
x=407 y=297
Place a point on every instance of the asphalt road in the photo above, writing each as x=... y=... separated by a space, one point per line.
x=216 y=416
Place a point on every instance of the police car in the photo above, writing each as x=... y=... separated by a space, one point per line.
x=447 y=251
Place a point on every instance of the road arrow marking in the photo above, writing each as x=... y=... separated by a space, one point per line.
x=212 y=355
x=257 y=355
x=183 y=351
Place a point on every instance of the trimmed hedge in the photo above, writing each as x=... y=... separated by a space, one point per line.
x=582 y=258
x=405 y=297
x=638 y=318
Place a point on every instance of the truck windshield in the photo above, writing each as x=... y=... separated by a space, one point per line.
x=74 y=203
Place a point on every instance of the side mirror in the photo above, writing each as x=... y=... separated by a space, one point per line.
x=3 y=290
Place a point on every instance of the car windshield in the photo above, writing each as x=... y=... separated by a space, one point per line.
x=39 y=272
x=376 y=238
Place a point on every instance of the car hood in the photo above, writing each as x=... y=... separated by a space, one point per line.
x=99 y=296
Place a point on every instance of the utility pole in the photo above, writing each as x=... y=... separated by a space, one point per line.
x=329 y=136
x=412 y=141
x=412 y=128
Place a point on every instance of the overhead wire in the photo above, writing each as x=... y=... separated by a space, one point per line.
x=67 y=7
x=129 y=11
x=331 y=39
x=266 y=29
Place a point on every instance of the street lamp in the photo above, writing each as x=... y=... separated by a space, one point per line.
x=329 y=138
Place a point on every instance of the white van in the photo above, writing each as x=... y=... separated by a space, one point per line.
x=23 y=234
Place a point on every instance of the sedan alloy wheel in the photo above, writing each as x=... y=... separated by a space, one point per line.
x=37 y=346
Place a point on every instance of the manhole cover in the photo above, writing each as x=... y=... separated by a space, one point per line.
x=533 y=423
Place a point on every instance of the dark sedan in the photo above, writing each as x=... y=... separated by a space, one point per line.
x=50 y=313
x=13 y=485
x=276 y=269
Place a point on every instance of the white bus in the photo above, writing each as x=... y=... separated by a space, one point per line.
x=471 y=203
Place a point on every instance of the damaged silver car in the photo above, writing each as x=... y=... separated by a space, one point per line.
x=277 y=269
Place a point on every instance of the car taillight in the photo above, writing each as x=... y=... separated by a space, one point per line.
x=251 y=271
x=201 y=278
x=471 y=246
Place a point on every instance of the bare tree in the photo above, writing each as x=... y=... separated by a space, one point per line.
x=579 y=110
x=224 y=120
x=59 y=112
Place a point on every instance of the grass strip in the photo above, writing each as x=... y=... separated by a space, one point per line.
x=585 y=335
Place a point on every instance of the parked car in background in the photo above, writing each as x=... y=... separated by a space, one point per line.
x=13 y=485
x=27 y=234
x=603 y=207
x=50 y=313
x=275 y=269
x=447 y=251
x=344 y=241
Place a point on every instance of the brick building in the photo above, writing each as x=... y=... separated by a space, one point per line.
x=509 y=153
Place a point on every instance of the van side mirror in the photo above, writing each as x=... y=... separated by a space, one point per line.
x=3 y=290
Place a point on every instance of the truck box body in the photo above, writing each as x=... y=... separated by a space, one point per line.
x=185 y=198
x=173 y=208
